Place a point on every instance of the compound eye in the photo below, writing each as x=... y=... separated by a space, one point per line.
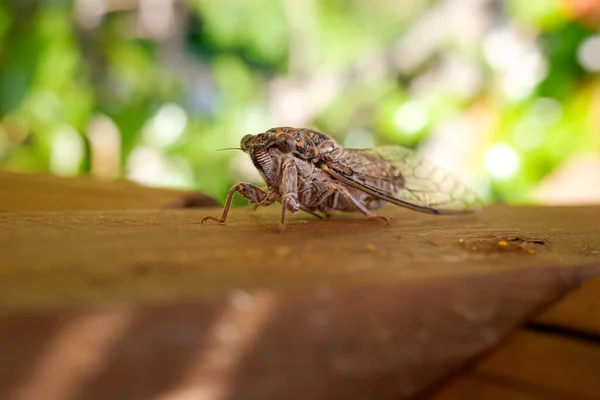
x=244 y=142
x=286 y=143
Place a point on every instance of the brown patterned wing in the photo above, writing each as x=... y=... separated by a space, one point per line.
x=403 y=177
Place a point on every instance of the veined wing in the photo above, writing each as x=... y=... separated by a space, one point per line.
x=403 y=177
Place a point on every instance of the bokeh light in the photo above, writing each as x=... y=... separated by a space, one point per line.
x=506 y=95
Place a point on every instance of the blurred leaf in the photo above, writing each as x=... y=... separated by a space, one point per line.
x=564 y=72
x=546 y=14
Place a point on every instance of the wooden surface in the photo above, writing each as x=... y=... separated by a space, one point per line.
x=93 y=257
x=38 y=192
x=555 y=355
x=149 y=303
x=578 y=311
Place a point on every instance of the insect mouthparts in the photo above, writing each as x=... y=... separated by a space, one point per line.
x=229 y=148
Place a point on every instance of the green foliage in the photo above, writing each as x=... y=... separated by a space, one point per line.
x=234 y=67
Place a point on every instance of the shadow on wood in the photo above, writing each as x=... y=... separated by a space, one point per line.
x=385 y=340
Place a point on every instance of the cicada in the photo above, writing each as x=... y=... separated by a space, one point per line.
x=307 y=170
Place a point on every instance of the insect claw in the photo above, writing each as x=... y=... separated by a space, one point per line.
x=380 y=218
x=212 y=219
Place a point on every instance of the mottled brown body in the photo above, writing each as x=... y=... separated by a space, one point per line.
x=307 y=170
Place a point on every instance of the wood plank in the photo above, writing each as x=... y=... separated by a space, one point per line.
x=578 y=311
x=87 y=256
x=563 y=332
x=477 y=387
x=547 y=361
x=325 y=341
x=42 y=192
x=345 y=306
x=153 y=304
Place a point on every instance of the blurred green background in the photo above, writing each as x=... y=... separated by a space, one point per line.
x=505 y=94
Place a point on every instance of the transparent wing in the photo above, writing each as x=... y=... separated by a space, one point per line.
x=403 y=177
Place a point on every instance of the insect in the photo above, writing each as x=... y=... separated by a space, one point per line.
x=309 y=171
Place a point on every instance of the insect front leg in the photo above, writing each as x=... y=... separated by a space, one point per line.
x=289 y=190
x=250 y=192
x=254 y=206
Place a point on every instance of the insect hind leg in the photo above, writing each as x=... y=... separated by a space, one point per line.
x=333 y=188
x=308 y=211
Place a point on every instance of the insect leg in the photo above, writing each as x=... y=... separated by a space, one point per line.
x=254 y=206
x=289 y=191
x=344 y=192
x=251 y=192
x=306 y=210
